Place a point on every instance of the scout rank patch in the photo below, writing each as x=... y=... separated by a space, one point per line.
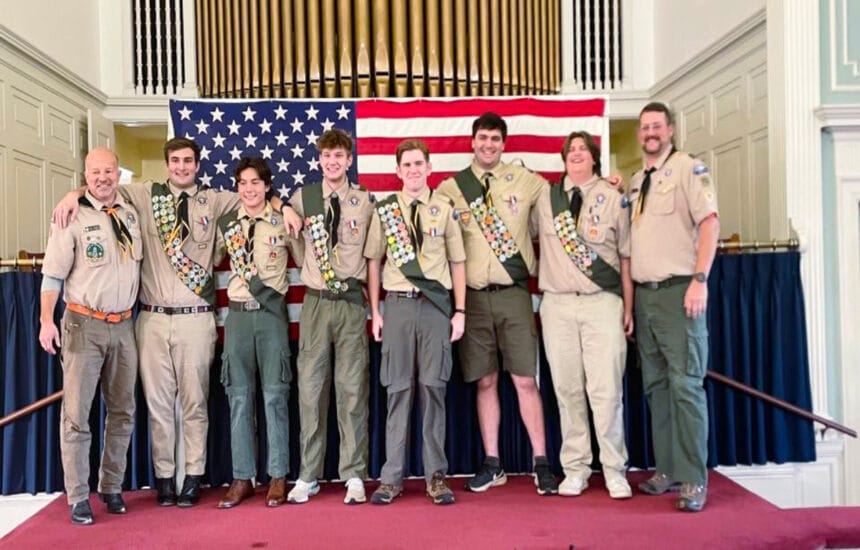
x=190 y=274
x=581 y=255
x=498 y=236
x=315 y=226
x=237 y=248
x=396 y=233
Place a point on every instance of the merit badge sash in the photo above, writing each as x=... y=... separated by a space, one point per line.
x=237 y=246
x=313 y=206
x=498 y=236
x=403 y=253
x=583 y=256
x=190 y=273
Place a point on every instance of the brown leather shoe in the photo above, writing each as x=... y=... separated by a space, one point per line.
x=277 y=494
x=239 y=490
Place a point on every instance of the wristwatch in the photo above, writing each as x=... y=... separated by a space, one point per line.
x=700 y=277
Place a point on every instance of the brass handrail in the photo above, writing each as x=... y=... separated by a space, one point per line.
x=31 y=408
x=19 y=262
x=780 y=403
x=773 y=244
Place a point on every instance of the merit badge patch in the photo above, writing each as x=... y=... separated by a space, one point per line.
x=353 y=201
x=95 y=251
x=700 y=169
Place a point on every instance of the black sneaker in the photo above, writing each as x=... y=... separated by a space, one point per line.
x=81 y=513
x=490 y=475
x=544 y=480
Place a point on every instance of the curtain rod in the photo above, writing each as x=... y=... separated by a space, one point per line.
x=790 y=244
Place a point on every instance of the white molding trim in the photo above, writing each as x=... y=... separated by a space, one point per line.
x=839 y=115
x=748 y=27
x=26 y=50
x=835 y=56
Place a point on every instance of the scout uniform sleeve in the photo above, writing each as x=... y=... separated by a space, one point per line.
x=447 y=189
x=220 y=247
x=536 y=184
x=295 y=202
x=454 y=239
x=374 y=248
x=60 y=252
x=137 y=194
x=700 y=192
x=622 y=224
x=225 y=201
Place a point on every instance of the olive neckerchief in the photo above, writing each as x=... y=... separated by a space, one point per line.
x=194 y=276
x=313 y=206
x=498 y=235
x=403 y=253
x=583 y=256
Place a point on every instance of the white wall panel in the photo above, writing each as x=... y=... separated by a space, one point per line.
x=27 y=115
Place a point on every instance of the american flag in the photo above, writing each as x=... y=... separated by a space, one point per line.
x=285 y=133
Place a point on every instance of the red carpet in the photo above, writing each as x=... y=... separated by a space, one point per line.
x=513 y=516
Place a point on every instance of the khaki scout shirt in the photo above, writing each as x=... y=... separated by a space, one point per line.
x=270 y=253
x=356 y=208
x=442 y=242
x=160 y=285
x=665 y=236
x=603 y=223
x=514 y=191
x=87 y=256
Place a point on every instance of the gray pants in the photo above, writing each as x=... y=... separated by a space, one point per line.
x=257 y=340
x=94 y=350
x=415 y=346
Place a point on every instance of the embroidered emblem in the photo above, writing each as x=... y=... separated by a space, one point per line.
x=89 y=228
x=495 y=231
x=353 y=201
x=95 y=251
x=582 y=256
x=667 y=173
x=315 y=229
x=240 y=261
x=396 y=233
x=700 y=169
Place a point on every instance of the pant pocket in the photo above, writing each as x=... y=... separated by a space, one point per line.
x=225 y=369
x=286 y=371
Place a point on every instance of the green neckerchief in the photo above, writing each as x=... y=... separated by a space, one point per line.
x=193 y=275
x=583 y=256
x=493 y=228
x=404 y=255
x=314 y=209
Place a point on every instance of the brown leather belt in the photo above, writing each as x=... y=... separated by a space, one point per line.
x=100 y=315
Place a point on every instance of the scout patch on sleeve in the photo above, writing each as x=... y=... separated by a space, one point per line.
x=700 y=169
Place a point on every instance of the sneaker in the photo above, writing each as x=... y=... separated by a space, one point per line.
x=302 y=491
x=354 y=491
x=544 y=480
x=490 y=475
x=692 y=498
x=572 y=486
x=438 y=490
x=385 y=493
x=659 y=484
x=619 y=488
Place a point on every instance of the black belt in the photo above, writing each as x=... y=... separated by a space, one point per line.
x=250 y=305
x=324 y=294
x=666 y=283
x=176 y=310
x=493 y=288
x=406 y=294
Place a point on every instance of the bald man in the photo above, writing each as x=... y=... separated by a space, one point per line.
x=96 y=262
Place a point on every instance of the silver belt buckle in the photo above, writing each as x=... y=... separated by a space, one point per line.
x=251 y=305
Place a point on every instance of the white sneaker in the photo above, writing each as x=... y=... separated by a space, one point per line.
x=302 y=491
x=354 y=491
x=572 y=486
x=619 y=488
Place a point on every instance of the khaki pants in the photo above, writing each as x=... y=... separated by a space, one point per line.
x=586 y=349
x=673 y=349
x=326 y=323
x=416 y=346
x=177 y=353
x=95 y=350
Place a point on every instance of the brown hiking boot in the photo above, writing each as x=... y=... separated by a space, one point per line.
x=438 y=490
x=385 y=493
x=659 y=484
x=692 y=498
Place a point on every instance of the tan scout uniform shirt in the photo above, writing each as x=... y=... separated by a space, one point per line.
x=270 y=253
x=603 y=224
x=159 y=283
x=356 y=209
x=87 y=255
x=442 y=243
x=514 y=191
x=665 y=236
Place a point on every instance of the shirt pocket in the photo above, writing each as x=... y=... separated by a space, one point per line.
x=96 y=245
x=352 y=231
x=202 y=225
x=661 y=199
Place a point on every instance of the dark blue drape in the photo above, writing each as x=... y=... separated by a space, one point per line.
x=757 y=332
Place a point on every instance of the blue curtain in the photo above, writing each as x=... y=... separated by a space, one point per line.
x=757 y=332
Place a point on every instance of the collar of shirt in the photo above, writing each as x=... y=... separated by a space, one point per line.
x=265 y=213
x=660 y=161
x=97 y=204
x=583 y=187
x=191 y=191
x=341 y=191
x=479 y=172
x=406 y=200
